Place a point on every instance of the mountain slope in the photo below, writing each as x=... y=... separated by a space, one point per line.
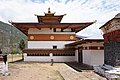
x=10 y=36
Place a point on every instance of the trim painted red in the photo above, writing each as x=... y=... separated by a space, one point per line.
x=91 y=48
x=52 y=37
x=94 y=48
x=112 y=36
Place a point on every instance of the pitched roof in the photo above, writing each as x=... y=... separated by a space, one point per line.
x=84 y=41
x=76 y=26
x=49 y=20
x=49 y=17
x=117 y=17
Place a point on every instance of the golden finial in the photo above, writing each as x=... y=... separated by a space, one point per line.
x=95 y=21
x=49 y=10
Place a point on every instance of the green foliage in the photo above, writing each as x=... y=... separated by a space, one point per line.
x=16 y=51
x=22 y=44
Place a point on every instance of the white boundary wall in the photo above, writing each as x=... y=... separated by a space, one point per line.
x=47 y=44
x=93 y=57
x=3 y=68
x=48 y=58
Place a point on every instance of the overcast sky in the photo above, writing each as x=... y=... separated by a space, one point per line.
x=76 y=10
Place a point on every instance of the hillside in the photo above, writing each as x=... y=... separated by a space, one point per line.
x=10 y=36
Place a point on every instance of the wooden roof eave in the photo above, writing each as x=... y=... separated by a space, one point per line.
x=75 y=43
x=76 y=26
x=58 y=25
x=81 y=27
x=54 y=24
x=24 y=31
x=84 y=41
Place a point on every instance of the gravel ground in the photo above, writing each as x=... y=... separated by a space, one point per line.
x=43 y=71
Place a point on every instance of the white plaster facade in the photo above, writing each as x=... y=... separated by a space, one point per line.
x=47 y=44
x=93 y=57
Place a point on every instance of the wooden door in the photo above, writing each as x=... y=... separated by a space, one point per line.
x=80 y=55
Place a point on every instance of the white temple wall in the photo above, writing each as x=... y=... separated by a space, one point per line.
x=47 y=44
x=93 y=57
x=97 y=57
x=87 y=57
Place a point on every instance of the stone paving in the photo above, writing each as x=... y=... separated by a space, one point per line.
x=43 y=71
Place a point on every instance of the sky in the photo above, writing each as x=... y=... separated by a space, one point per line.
x=77 y=11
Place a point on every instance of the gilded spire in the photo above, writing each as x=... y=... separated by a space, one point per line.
x=49 y=10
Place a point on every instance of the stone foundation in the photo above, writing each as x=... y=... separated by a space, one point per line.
x=112 y=53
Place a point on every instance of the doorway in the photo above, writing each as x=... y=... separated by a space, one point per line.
x=80 y=55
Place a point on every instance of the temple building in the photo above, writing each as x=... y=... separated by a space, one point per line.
x=47 y=38
x=88 y=51
x=111 y=35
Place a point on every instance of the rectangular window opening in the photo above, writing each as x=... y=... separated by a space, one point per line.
x=54 y=46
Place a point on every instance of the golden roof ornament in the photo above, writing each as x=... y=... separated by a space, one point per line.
x=49 y=10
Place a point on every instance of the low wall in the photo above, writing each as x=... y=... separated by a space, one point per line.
x=43 y=55
x=3 y=67
x=93 y=57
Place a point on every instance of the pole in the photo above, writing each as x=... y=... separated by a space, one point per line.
x=2 y=39
x=11 y=36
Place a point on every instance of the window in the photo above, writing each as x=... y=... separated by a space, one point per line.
x=54 y=30
x=54 y=46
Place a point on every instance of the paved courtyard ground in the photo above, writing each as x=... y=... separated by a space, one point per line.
x=44 y=71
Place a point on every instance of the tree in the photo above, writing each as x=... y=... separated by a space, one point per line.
x=22 y=46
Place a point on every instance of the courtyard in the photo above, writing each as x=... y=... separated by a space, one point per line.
x=44 y=71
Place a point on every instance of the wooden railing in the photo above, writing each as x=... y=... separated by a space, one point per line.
x=46 y=52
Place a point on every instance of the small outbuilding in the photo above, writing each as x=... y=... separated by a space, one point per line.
x=111 y=34
x=88 y=51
